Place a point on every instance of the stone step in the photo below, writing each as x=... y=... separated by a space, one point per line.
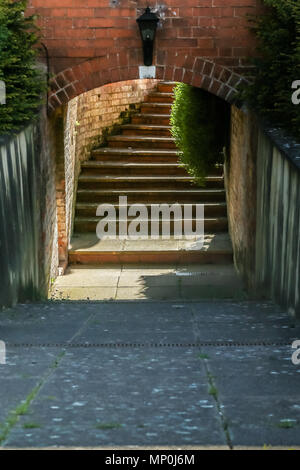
x=134 y=155
x=156 y=108
x=87 y=249
x=166 y=87
x=127 y=168
x=211 y=210
x=146 y=130
x=160 y=97
x=159 y=196
x=151 y=257
x=122 y=168
x=123 y=141
x=146 y=182
x=155 y=119
x=89 y=224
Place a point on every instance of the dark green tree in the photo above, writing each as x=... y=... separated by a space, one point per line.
x=24 y=81
x=277 y=64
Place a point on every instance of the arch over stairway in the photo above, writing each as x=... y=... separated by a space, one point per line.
x=196 y=71
x=141 y=165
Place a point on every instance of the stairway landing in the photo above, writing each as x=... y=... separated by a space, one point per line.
x=148 y=282
x=86 y=248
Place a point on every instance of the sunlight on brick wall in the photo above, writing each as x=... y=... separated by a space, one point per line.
x=89 y=117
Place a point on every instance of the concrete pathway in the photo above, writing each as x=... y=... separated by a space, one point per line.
x=148 y=282
x=186 y=374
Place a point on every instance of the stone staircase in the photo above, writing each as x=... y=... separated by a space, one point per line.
x=142 y=164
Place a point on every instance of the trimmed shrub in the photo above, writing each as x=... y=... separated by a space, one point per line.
x=200 y=126
x=24 y=82
x=277 y=64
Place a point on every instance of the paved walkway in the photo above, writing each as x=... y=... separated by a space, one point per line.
x=149 y=374
x=148 y=282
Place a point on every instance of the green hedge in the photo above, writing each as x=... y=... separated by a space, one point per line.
x=200 y=126
x=277 y=64
x=24 y=82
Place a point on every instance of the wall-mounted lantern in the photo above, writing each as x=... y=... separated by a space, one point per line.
x=148 y=24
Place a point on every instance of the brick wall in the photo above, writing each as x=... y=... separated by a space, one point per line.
x=71 y=168
x=97 y=42
x=48 y=253
x=75 y=31
x=56 y=143
x=241 y=192
x=102 y=108
x=89 y=117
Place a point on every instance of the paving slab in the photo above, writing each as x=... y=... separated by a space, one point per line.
x=24 y=370
x=135 y=397
x=147 y=278
x=258 y=388
x=84 y=293
x=140 y=324
x=43 y=322
x=149 y=293
x=243 y=322
x=88 y=277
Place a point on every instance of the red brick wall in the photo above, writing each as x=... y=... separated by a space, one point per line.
x=101 y=109
x=94 y=42
x=87 y=117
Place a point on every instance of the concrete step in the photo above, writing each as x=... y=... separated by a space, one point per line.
x=127 y=168
x=215 y=225
x=159 y=196
x=88 y=209
x=166 y=87
x=160 y=97
x=135 y=155
x=88 y=249
x=123 y=141
x=146 y=182
x=155 y=119
x=146 y=130
x=156 y=108
x=121 y=168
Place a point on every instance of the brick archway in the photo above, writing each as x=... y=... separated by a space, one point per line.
x=196 y=71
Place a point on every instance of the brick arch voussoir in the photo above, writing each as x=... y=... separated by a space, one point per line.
x=202 y=73
x=91 y=74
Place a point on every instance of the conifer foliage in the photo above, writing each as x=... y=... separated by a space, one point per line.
x=23 y=80
x=277 y=64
